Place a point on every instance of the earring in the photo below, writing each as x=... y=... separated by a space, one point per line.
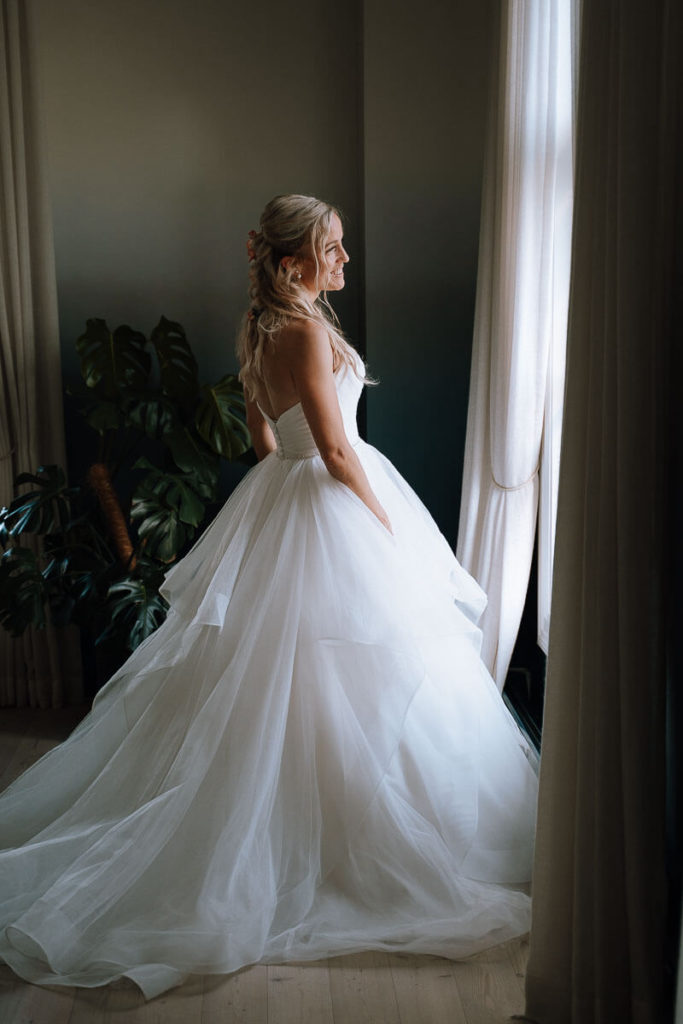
x=298 y=275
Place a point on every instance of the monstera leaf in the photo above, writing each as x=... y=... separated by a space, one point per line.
x=220 y=418
x=23 y=591
x=141 y=397
x=77 y=570
x=177 y=364
x=113 y=362
x=167 y=510
x=134 y=606
x=153 y=415
x=43 y=510
x=195 y=460
x=103 y=416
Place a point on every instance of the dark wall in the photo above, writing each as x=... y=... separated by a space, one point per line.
x=426 y=68
x=170 y=125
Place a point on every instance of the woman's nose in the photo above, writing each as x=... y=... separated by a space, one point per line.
x=344 y=256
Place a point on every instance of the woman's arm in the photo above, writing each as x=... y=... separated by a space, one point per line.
x=308 y=353
x=261 y=435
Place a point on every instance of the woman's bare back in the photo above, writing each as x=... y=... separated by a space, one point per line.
x=277 y=391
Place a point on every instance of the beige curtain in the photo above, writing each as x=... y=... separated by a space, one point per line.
x=597 y=940
x=36 y=669
x=514 y=414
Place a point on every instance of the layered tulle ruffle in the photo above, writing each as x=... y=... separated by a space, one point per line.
x=307 y=758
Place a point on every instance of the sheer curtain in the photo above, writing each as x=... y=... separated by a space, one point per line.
x=517 y=375
x=600 y=901
x=34 y=669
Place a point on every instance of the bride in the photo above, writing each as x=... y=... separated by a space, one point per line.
x=308 y=757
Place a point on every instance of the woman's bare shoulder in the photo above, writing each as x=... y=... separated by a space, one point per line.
x=304 y=340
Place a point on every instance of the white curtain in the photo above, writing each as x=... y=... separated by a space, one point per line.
x=36 y=669
x=517 y=374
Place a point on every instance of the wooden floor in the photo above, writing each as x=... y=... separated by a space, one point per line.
x=367 y=988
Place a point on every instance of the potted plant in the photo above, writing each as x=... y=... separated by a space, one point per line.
x=95 y=553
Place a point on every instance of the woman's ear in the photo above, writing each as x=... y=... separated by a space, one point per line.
x=286 y=263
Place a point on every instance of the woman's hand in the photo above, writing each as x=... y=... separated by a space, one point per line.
x=384 y=520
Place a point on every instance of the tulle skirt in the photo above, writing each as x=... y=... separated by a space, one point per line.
x=308 y=758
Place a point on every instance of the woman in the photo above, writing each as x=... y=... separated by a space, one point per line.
x=308 y=757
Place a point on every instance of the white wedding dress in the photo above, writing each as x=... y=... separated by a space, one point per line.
x=307 y=758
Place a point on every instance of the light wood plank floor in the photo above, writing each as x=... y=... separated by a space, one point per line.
x=367 y=988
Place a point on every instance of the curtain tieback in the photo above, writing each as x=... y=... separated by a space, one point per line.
x=6 y=455
x=517 y=487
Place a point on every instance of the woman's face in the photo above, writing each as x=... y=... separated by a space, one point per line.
x=330 y=276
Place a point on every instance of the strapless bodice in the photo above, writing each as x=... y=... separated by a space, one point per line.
x=291 y=430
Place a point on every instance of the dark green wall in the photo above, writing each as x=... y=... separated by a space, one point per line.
x=426 y=71
x=170 y=125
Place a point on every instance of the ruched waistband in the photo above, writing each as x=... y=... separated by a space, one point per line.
x=297 y=456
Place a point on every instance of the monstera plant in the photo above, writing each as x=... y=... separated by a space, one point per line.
x=95 y=553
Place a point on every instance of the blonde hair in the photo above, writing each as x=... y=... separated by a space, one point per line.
x=290 y=225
